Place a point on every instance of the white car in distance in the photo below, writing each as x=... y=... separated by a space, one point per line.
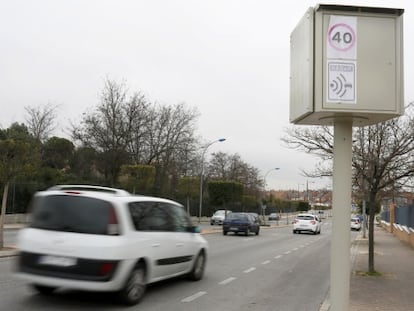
x=307 y=223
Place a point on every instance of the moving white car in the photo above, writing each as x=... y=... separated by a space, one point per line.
x=105 y=239
x=355 y=223
x=218 y=217
x=307 y=223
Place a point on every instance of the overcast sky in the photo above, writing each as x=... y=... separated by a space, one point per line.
x=230 y=59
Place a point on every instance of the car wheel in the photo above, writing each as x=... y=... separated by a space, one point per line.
x=199 y=266
x=44 y=290
x=247 y=232
x=224 y=232
x=135 y=286
x=257 y=232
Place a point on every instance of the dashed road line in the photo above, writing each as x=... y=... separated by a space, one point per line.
x=193 y=297
x=249 y=270
x=231 y=279
x=227 y=281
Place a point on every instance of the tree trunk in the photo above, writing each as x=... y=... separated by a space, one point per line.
x=3 y=213
x=372 y=208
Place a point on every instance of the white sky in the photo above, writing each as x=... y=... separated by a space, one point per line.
x=230 y=59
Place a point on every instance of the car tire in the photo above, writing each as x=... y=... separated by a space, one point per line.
x=247 y=232
x=197 y=271
x=44 y=290
x=135 y=286
x=224 y=232
x=257 y=232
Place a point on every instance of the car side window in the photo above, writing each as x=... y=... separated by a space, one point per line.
x=151 y=216
x=181 y=220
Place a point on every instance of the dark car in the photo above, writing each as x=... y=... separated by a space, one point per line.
x=241 y=222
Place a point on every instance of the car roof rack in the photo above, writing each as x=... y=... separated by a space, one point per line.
x=90 y=188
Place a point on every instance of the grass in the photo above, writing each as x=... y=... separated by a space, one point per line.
x=367 y=273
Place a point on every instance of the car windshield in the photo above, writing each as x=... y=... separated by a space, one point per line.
x=218 y=213
x=71 y=214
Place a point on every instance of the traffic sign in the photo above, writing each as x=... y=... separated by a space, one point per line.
x=341 y=82
x=342 y=37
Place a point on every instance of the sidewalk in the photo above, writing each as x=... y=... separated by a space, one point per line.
x=393 y=289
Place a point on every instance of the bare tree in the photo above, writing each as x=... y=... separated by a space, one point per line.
x=108 y=129
x=231 y=167
x=170 y=136
x=134 y=131
x=383 y=156
x=41 y=121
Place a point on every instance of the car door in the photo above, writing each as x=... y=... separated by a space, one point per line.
x=185 y=241
x=154 y=228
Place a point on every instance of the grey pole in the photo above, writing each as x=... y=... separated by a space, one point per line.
x=340 y=243
x=202 y=175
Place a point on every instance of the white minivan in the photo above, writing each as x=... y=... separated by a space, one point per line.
x=105 y=239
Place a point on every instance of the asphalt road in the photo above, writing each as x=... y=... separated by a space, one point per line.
x=276 y=270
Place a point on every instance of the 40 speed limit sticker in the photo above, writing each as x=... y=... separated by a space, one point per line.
x=342 y=37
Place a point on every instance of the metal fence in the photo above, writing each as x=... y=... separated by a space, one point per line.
x=404 y=215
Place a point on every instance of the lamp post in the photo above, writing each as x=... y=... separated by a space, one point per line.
x=265 y=183
x=202 y=174
x=307 y=189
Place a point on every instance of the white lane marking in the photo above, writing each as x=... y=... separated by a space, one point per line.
x=278 y=256
x=193 y=297
x=301 y=246
x=265 y=262
x=295 y=249
x=249 y=270
x=227 y=281
x=288 y=252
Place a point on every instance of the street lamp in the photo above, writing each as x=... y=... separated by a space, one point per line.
x=202 y=173
x=267 y=173
x=264 y=179
x=307 y=189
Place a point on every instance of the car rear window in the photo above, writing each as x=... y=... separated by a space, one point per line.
x=71 y=214
x=305 y=217
x=237 y=216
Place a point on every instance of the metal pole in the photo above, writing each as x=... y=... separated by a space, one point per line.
x=265 y=184
x=340 y=243
x=202 y=173
x=201 y=185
